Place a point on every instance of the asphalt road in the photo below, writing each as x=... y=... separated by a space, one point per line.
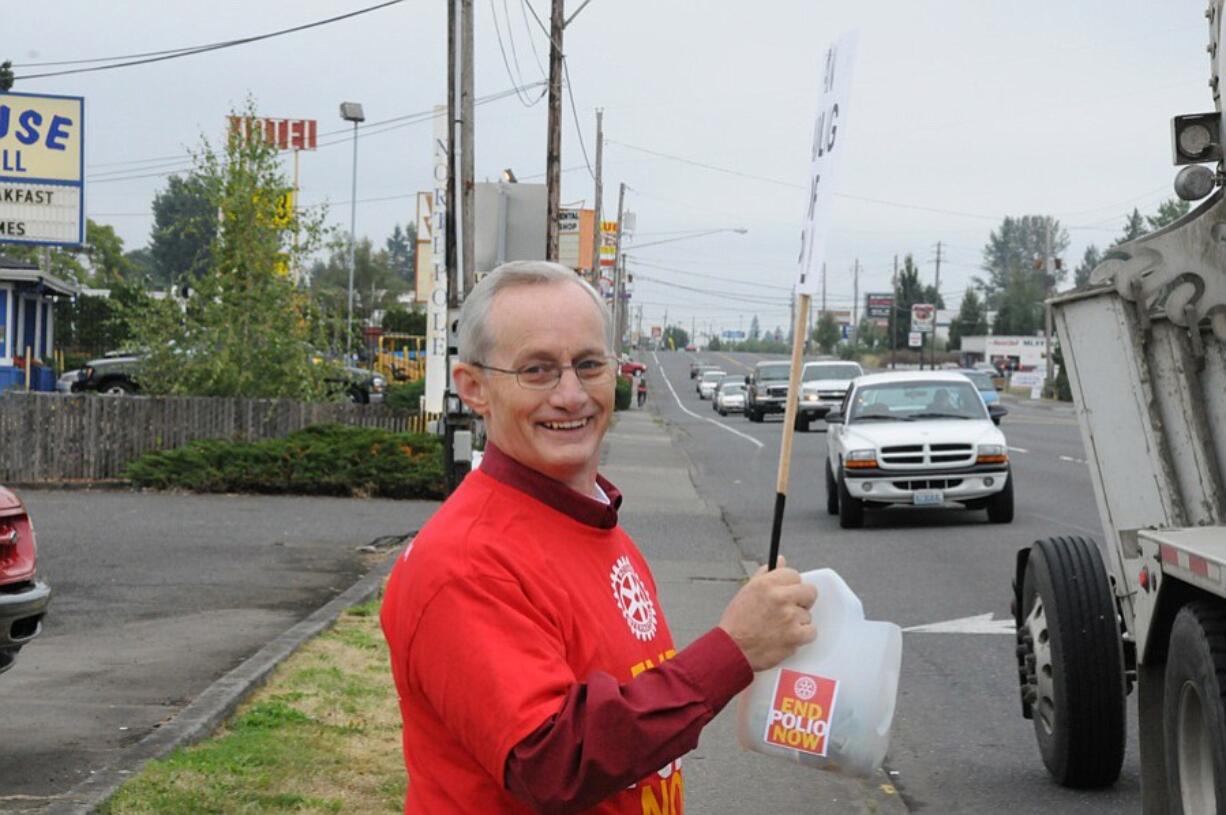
x=960 y=744
x=155 y=597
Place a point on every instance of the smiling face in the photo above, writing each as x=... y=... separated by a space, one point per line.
x=556 y=432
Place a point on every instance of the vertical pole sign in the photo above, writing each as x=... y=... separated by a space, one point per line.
x=828 y=140
x=42 y=169
x=436 y=308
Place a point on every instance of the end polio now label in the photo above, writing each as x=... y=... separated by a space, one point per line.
x=799 y=717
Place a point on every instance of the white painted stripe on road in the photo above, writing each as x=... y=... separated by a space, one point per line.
x=1073 y=460
x=978 y=624
x=1018 y=450
x=686 y=410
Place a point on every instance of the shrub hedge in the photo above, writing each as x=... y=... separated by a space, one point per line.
x=622 y=396
x=330 y=459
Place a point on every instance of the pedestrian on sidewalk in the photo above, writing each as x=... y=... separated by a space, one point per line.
x=642 y=389
x=534 y=666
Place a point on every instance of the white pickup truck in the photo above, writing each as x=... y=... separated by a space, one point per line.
x=823 y=384
x=918 y=439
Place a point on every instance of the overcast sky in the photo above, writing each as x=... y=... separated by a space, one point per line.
x=962 y=111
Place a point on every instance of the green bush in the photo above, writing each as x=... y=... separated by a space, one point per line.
x=621 y=397
x=406 y=396
x=328 y=459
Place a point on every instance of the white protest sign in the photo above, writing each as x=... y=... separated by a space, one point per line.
x=827 y=144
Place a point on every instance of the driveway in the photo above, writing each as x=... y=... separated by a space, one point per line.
x=155 y=597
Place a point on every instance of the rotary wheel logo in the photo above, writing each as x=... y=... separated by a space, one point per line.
x=633 y=600
x=805 y=688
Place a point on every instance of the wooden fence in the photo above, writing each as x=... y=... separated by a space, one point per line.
x=49 y=438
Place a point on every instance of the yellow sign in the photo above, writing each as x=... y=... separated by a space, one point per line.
x=283 y=213
x=41 y=138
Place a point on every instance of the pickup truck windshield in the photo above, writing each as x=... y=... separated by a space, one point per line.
x=815 y=373
x=774 y=373
x=917 y=401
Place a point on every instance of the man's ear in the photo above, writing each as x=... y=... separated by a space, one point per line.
x=471 y=386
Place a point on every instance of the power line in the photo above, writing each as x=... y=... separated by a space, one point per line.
x=523 y=100
x=575 y=112
x=753 y=283
x=162 y=56
x=523 y=8
x=706 y=166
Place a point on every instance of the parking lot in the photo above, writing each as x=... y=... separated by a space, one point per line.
x=155 y=597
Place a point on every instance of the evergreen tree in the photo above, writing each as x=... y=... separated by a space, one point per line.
x=827 y=333
x=755 y=329
x=1015 y=250
x=1091 y=259
x=972 y=320
x=1169 y=211
x=401 y=250
x=1134 y=227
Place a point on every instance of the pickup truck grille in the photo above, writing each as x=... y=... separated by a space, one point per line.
x=928 y=484
x=831 y=396
x=777 y=390
x=927 y=455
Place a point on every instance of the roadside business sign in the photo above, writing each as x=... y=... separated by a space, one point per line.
x=915 y=340
x=42 y=169
x=823 y=160
x=923 y=317
x=657 y=331
x=878 y=306
x=285 y=134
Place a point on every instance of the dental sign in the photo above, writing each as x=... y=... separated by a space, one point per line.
x=828 y=144
x=42 y=163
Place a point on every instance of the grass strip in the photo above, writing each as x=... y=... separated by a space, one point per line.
x=322 y=736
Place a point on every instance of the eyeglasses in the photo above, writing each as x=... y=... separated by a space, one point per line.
x=545 y=376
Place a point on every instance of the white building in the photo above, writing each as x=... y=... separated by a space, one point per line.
x=1018 y=353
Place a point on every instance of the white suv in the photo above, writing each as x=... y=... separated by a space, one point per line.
x=919 y=439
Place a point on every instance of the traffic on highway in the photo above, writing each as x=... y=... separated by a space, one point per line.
x=931 y=545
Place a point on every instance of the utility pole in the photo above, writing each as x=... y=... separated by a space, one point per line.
x=618 y=274
x=596 y=231
x=453 y=293
x=892 y=323
x=693 y=325
x=1049 y=374
x=823 y=287
x=855 y=305
x=468 y=257
x=553 y=153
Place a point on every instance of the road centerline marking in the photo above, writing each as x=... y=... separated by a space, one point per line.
x=686 y=410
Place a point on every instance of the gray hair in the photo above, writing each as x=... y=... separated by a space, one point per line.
x=475 y=341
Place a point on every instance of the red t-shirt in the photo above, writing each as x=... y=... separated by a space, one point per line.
x=515 y=619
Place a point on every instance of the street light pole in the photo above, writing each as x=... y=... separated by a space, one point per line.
x=352 y=112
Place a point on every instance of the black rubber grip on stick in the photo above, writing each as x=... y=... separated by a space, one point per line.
x=776 y=530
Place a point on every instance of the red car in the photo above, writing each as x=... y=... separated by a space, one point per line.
x=630 y=367
x=23 y=597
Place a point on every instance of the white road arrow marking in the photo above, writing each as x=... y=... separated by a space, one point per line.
x=978 y=624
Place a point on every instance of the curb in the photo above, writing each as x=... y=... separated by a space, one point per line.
x=219 y=700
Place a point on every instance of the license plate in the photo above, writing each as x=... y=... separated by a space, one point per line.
x=928 y=498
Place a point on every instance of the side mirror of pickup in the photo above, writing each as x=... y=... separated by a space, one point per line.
x=997 y=412
x=747 y=379
x=834 y=417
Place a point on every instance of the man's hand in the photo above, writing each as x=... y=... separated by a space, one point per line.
x=769 y=617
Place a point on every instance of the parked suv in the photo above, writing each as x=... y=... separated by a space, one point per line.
x=766 y=389
x=921 y=439
x=114 y=374
x=822 y=388
x=23 y=597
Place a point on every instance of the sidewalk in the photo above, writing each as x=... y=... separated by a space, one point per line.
x=698 y=568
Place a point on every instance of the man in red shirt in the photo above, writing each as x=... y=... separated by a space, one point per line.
x=535 y=670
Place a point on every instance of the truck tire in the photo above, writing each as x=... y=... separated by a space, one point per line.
x=1073 y=662
x=832 y=492
x=851 y=510
x=1000 y=505
x=1194 y=719
x=754 y=414
x=802 y=423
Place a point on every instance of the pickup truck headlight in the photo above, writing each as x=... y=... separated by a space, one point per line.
x=992 y=454
x=809 y=396
x=860 y=460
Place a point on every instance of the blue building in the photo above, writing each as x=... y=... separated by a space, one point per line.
x=27 y=324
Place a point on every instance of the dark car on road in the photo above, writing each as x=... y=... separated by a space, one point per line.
x=23 y=597
x=766 y=389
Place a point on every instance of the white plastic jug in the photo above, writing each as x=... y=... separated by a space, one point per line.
x=830 y=705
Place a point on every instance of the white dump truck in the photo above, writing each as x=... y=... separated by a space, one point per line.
x=1144 y=345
